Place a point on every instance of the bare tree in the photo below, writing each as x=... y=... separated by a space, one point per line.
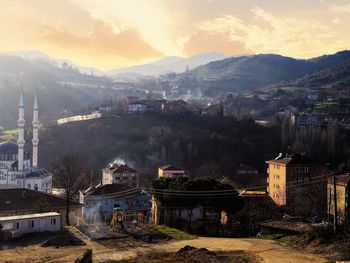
x=68 y=174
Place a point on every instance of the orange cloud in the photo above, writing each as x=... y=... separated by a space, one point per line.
x=206 y=41
x=103 y=41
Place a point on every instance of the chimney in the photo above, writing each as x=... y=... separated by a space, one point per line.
x=280 y=156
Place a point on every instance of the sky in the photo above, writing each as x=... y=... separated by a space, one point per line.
x=110 y=34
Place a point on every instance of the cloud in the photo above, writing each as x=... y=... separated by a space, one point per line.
x=340 y=8
x=104 y=41
x=206 y=41
x=265 y=32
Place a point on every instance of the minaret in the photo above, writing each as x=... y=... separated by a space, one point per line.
x=20 y=140
x=35 y=139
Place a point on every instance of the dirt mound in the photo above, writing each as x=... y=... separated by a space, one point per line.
x=63 y=241
x=189 y=254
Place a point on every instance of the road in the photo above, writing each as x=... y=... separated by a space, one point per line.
x=266 y=251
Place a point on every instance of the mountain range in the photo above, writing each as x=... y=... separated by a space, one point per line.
x=37 y=71
x=256 y=71
x=164 y=65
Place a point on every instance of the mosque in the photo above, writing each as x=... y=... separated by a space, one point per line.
x=17 y=168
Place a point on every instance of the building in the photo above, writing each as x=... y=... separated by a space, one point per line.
x=143 y=106
x=175 y=106
x=305 y=120
x=100 y=201
x=170 y=171
x=16 y=226
x=343 y=194
x=119 y=174
x=137 y=107
x=17 y=169
x=19 y=201
x=246 y=170
x=298 y=182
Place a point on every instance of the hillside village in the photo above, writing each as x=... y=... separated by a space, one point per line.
x=296 y=195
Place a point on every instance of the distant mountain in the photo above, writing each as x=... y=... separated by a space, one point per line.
x=45 y=77
x=34 y=55
x=169 y=64
x=254 y=72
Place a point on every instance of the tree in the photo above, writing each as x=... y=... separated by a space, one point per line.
x=42 y=206
x=68 y=174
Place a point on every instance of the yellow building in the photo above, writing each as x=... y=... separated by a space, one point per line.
x=342 y=191
x=292 y=178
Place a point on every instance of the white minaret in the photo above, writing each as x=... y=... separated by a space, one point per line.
x=35 y=139
x=20 y=140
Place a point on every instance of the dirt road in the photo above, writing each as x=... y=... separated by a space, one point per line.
x=266 y=250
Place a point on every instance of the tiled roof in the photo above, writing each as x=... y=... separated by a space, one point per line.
x=121 y=168
x=108 y=189
x=38 y=173
x=295 y=158
x=20 y=199
x=171 y=167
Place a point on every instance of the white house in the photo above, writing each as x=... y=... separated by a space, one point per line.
x=15 y=226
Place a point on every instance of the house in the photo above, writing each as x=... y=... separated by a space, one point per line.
x=174 y=106
x=100 y=201
x=16 y=226
x=342 y=192
x=143 y=106
x=19 y=201
x=170 y=171
x=119 y=174
x=246 y=170
x=305 y=120
x=137 y=107
x=297 y=182
x=257 y=206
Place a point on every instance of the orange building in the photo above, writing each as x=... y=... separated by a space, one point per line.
x=297 y=181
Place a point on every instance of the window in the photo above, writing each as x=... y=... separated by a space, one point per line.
x=29 y=186
x=54 y=221
x=17 y=225
x=302 y=169
x=36 y=187
x=32 y=223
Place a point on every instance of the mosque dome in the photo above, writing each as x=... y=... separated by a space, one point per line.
x=8 y=151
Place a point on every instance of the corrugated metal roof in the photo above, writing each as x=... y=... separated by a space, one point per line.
x=28 y=216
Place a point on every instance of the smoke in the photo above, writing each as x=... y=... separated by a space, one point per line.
x=119 y=160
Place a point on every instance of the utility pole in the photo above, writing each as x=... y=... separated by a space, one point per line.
x=335 y=223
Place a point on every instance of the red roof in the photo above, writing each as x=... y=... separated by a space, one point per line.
x=121 y=168
x=170 y=167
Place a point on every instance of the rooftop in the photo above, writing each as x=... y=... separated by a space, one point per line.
x=121 y=168
x=19 y=199
x=342 y=179
x=28 y=216
x=171 y=167
x=110 y=189
x=296 y=158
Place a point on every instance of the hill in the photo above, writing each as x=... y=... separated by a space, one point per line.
x=335 y=76
x=204 y=146
x=53 y=85
x=254 y=72
x=169 y=64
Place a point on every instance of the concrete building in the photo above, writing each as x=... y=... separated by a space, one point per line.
x=343 y=195
x=170 y=171
x=297 y=181
x=100 y=201
x=19 y=201
x=16 y=226
x=119 y=174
